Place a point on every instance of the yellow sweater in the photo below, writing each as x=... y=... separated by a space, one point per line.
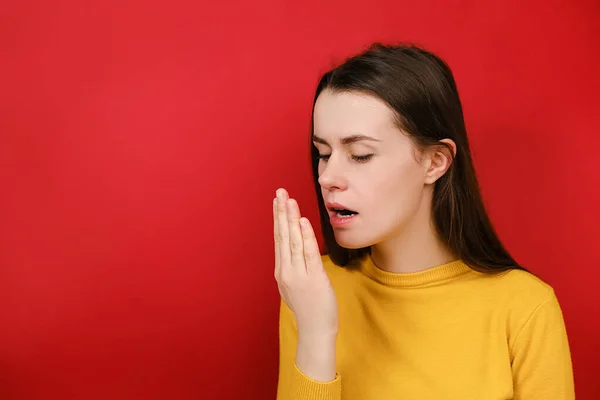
x=447 y=333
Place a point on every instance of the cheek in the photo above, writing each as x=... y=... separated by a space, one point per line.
x=396 y=194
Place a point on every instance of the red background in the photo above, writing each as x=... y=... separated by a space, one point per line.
x=141 y=144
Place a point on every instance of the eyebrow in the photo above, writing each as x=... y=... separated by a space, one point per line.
x=347 y=140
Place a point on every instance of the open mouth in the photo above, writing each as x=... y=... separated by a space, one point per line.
x=343 y=213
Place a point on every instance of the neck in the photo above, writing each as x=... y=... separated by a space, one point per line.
x=416 y=248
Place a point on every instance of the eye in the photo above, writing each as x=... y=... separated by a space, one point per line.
x=359 y=159
x=362 y=159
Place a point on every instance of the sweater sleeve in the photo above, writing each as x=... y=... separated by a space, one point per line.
x=293 y=384
x=541 y=358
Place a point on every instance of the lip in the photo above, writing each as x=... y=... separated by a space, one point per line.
x=334 y=219
x=338 y=222
x=332 y=206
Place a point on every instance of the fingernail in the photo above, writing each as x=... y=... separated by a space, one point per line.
x=279 y=193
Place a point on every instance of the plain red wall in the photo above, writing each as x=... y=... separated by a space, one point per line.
x=141 y=144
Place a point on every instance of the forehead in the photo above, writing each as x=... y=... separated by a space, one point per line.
x=340 y=114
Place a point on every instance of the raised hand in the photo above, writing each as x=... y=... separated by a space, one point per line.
x=305 y=288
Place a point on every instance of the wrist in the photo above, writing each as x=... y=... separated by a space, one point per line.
x=317 y=344
x=316 y=358
x=317 y=338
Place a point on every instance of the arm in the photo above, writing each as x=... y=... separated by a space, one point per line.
x=541 y=358
x=306 y=369
x=308 y=316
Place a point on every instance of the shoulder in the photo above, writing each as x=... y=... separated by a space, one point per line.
x=516 y=291
x=529 y=303
x=525 y=292
x=525 y=287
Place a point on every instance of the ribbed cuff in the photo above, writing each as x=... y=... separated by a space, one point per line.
x=304 y=388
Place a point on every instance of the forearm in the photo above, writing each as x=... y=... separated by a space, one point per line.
x=315 y=357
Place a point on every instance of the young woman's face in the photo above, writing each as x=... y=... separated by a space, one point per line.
x=367 y=166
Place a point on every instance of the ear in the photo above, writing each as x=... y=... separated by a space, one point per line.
x=438 y=160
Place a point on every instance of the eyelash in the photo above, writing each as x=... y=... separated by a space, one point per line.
x=360 y=159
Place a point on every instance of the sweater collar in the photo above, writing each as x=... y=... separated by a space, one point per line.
x=414 y=279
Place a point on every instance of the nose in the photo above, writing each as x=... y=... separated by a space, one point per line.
x=332 y=177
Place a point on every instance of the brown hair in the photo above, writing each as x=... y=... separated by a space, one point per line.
x=420 y=88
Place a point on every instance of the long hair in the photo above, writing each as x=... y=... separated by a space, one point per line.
x=419 y=88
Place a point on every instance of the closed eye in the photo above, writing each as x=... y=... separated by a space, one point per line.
x=360 y=159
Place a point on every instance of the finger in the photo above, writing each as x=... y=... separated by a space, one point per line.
x=296 y=242
x=276 y=237
x=312 y=255
x=284 y=234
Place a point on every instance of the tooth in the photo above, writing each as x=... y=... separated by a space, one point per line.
x=339 y=215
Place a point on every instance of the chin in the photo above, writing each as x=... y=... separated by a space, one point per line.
x=352 y=241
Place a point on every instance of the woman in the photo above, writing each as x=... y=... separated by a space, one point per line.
x=416 y=298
